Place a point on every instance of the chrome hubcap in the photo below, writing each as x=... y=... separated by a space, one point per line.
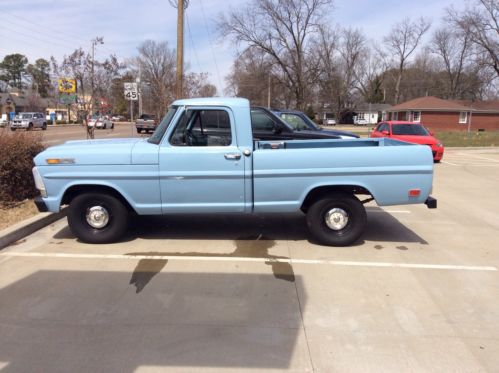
x=336 y=219
x=97 y=217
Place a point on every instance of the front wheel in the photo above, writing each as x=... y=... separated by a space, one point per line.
x=97 y=218
x=337 y=220
x=44 y=126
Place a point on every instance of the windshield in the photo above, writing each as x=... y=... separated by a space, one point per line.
x=409 y=129
x=25 y=116
x=161 y=129
x=296 y=121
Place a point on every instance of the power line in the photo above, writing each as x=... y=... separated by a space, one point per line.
x=192 y=41
x=211 y=44
x=46 y=29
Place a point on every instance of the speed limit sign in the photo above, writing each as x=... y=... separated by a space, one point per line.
x=131 y=92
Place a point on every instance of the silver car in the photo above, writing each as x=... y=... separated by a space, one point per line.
x=28 y=121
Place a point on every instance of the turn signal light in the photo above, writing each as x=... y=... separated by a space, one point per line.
x=60 y=160
x=414 y=192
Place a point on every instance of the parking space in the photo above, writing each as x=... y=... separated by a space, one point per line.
x=418 y=293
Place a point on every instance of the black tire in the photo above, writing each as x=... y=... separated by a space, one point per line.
x=112 y=126
x=44 y=126
x=118 y=217
x=139 y=130
x=30 y=127
x=12 y=129
x=341 y=235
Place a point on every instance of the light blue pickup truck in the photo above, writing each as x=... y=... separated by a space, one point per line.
x=204 y=159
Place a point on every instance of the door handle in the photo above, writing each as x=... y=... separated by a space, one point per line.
x=233 y=156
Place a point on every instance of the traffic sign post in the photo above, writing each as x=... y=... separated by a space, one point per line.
x=131 y=94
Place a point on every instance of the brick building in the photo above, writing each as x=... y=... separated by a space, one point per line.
x=438 y=114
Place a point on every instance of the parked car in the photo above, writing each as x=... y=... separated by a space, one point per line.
x=299 y=121
x=118 y=118
x=29 y=121
x=415 y=133
x=3 y=122
x=268 y=126
x=329 y=122
x=100 y=122
x=360 y=122
x=146 y=123
x=204 y=159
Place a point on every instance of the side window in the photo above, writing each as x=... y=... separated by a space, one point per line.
x=260 y=121
x=383 y=127
x=202 y=128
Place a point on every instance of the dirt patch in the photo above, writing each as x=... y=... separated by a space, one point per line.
x=17 y=212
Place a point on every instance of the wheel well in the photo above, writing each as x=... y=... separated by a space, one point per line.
x=76 y=190
x=324 y=191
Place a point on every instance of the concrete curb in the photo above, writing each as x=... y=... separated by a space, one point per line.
x=28 y=226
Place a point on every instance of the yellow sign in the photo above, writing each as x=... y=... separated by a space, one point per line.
x=67 y=85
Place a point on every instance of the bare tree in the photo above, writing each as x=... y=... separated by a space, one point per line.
x=282 y=29
x=251 y=73
x=453 y=49
x=157 y=63
x=197 y=85
x=402 y=41
x=87 y=72
x=481 y=24
x=369 y=76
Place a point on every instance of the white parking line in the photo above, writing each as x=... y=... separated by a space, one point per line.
x=244 y=259
x=452 y=164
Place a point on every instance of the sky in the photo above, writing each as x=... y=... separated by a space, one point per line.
x=44 y=28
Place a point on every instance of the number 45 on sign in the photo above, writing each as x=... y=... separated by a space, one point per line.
x=131 y=91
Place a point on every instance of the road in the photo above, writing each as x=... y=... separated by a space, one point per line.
x=217 y=294
x=58 y=134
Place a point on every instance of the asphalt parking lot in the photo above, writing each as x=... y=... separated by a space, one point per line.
x=418 y=293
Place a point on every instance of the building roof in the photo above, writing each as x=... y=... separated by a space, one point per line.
x=491 y=106
x=429 y=103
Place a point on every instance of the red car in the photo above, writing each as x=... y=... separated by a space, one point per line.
x=410 y=132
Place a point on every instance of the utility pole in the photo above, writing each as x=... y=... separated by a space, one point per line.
x=139 y=88
x=97 y=40
x=181 y=5
x=268 y=96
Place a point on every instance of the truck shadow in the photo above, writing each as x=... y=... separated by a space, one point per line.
x=381 y=226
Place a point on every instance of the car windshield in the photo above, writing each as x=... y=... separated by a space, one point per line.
x=409 y=129
x=25 y=116
x=161 y=129
x=298 y=122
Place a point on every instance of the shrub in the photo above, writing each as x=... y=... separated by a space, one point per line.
x=16 y=161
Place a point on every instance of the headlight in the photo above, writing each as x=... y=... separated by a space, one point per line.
x=39 y=182
x=439 y=144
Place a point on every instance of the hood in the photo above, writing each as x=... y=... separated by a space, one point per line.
x=425 y=140
x=343 y=134
x=91 y=152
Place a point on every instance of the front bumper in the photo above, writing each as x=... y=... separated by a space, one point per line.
x=19 y=125
x=40 y=204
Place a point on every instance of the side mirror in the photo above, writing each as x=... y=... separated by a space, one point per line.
x=431 y=133
x=385 y=132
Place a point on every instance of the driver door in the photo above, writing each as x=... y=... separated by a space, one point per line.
x=201 y=166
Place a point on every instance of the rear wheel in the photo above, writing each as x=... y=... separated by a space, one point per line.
x=30 y=127
x=44 y=126
x=337 y=220
x=97 y=218
x=12 y=129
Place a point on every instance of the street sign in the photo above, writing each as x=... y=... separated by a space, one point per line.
x=67 y=99
x=131 y=92
x=67 y=85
